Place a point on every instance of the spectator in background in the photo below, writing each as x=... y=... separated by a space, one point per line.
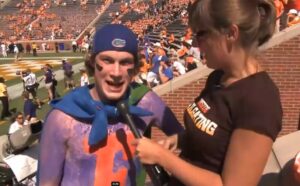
x=74 y=46
x=54 y=85
x=195 y=51
x=171 y=40
x=48 y=79
x=190 y=63
x=288 y=5
x=16 y=52
x=29 y=108
x=20 y=47
x=44 y=46
x=165 y=71
x=18 y=122
x=141 y=77
x=4 y=99
x=279 y=11
x=28 y=48
x=293 y=17
x=3 y=49
x=178 y=67
x=11 y=48
x=34 y=49
x=56 y=47
x=184 y=48
x=84 y=78
x=68 y=74
x=152 y=76
x=30 y=84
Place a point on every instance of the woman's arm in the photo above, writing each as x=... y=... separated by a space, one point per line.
x=152 y=153
x=245 y=160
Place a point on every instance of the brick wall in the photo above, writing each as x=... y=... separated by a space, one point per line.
x=282 y=61
x=283 y=64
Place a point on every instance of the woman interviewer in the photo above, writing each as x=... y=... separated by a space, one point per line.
x=231 y=125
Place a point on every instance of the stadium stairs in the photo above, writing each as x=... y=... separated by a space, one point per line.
x=106 y=18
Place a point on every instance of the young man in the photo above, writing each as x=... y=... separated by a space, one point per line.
x=18 y=123
x=30 y=84
x=84 y=140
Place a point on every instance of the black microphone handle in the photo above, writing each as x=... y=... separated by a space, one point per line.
x=157 y=174
x=131 y=124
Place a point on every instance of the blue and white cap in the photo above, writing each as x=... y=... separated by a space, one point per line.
x=115 y=37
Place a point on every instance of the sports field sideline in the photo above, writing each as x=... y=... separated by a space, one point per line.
x=8 y=69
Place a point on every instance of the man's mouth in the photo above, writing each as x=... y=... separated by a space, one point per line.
x=115 y=84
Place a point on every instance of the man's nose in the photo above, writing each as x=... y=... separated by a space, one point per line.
x=116 y=71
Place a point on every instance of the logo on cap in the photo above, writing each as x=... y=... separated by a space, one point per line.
x=118 y=43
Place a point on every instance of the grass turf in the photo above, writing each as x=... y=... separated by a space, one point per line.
x=17 y=104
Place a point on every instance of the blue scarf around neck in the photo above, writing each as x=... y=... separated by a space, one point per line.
x=80 y=104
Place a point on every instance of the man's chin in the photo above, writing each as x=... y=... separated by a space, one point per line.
x=112 y=97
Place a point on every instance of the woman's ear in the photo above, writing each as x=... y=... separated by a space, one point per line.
x=232 y=33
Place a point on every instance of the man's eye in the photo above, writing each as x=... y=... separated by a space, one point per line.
x=107 y=61
x=127 y=62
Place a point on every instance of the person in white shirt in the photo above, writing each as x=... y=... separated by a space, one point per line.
x=29 y=79
x=44 y=45
x=74 y=46
x=18 y=123
x=16 y=51
x=31 y=85
x=3 y=50
x=178 y=67
x=84 y=79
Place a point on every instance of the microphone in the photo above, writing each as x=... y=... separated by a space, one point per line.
x=157 y=174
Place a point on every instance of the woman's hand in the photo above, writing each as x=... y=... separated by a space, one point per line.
x=170 y=143
x=149 y=152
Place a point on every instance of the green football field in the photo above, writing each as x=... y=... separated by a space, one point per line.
x=17 y=104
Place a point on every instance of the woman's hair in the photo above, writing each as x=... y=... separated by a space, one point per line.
x=255 y=19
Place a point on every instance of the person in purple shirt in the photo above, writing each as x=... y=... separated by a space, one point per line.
x=29 y=108
x=68 y=74
x=48 y=79
x=85 y=141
